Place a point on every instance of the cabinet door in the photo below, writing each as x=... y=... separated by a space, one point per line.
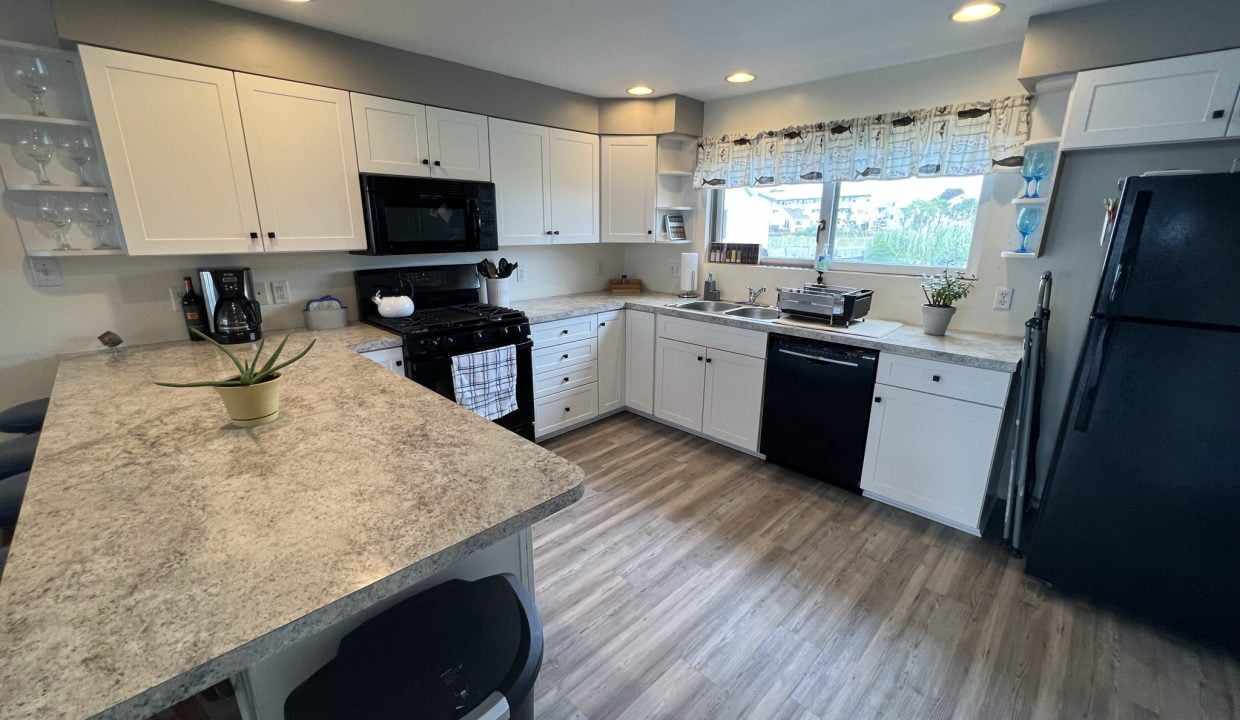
x=304 y=162
x=391 y=358
x=1233 y=127
x=930 y=454
x=574 y=187
x=680 y=381
x=630 y=169
x=391 y=136
x=611 y=350
x=733 y=398
x=639 y=360
x=172 y=138
x=459 y=144
x=1185 y=98
x=521 y=170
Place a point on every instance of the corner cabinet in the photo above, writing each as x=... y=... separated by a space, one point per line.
x=630 y=168
x=183 y=141
x=1176 y=100
x=639 y=360
x=611 y=356
x=546 y=184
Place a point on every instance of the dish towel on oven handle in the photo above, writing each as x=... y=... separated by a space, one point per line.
x=486 y=381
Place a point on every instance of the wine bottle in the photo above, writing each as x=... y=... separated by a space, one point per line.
x=194 y=310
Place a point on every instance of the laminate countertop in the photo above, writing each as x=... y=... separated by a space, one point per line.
x=982 y=350
x=161 y=550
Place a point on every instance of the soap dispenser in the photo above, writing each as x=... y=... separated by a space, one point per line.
x=710 y=291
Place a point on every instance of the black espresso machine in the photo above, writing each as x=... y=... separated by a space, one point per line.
x=232 y=306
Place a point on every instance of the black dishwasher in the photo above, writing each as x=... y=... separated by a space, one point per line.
x=816 y=409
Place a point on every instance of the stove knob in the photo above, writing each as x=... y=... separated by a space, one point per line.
x=480 y=336
x=448 y=342
x=512 y=331
x=431 y=343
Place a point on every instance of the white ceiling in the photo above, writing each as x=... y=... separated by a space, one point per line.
x=602 y=47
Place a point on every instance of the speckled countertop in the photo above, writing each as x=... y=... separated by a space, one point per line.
x=161 y=550
x=992 y=352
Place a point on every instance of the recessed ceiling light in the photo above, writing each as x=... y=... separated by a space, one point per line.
x=975 y=11
x=741 y=77
x=640 y=90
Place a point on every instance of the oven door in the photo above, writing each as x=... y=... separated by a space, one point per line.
x=436 y=374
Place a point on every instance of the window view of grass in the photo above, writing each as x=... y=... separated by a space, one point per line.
x=920 y=221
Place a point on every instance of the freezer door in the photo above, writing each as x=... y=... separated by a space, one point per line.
x=1143 y=507
x=1175 y=252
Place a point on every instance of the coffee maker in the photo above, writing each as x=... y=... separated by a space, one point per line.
x=232 y=310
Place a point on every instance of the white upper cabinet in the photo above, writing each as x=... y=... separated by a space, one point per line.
x=459 y=145
x=304 y=164
x=391 y=136
x=629 y=187
x=1184 y=98
x=172 y=138
x=574 y=187
x=521 y=170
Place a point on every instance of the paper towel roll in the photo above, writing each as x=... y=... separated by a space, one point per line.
x=688 y=274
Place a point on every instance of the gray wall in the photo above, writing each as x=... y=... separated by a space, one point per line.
x=1073 y=253
x=1125 y=31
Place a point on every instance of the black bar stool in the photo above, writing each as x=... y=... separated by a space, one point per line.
x=17 y=455
x=12 y=490
x=24 y=418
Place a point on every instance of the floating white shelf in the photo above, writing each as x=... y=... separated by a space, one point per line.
x=43 y=120
x=61 y=189
x=74 y=253
x=1044 y=141
x=1031 y=201
x=1019 y=255
x=675 y=207
x=677 y=173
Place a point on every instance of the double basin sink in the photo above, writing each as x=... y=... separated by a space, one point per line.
x=730 y=309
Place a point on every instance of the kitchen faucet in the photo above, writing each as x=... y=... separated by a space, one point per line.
x=753 y=295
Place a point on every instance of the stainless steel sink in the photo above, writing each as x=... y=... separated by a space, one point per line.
x=710 y=306
x=754 y=313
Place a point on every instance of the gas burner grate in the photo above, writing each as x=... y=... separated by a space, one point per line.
x=490 y=312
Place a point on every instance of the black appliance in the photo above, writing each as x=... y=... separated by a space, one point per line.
x=816 y=408
x=448 y=321
x=407 y=215
x=1142 y=505
x=461 y=649
x=233 y=315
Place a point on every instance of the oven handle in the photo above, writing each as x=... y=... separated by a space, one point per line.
x=523 y=345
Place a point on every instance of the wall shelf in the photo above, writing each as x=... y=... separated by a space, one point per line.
x=43 y=120
x=1047 y=191
x=676 y=173
x=75 y=253
x=60 y=189
x=1043 y=200
x=681 y=208
x=1018 y=255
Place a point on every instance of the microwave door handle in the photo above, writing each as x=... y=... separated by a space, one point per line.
x=471 y=212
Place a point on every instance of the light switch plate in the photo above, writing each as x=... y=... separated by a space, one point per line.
x=45 y=272
x=262 y=293
x=175 y=294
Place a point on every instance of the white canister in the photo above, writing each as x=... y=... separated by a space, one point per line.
x=497 y=291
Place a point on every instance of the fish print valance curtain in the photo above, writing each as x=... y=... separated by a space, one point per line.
x=974 y=138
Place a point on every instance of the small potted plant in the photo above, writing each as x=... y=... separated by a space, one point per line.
x=941 y=292
x=252 y=397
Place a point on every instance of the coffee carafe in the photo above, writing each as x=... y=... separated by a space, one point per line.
x=232 y=310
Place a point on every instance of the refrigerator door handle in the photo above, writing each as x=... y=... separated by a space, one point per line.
x=1085 y=405
x=1132 y=238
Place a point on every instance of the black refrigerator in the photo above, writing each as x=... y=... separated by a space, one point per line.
x=1142 y=506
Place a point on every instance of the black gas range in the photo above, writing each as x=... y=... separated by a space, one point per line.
x=448 y=320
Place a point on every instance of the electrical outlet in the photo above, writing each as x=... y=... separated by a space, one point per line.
x=1003 y=298
x=520 y=274
x=175 y=294
x=262 y=293
x=45 y=272
x=598 y=267
x=674 y=270
x=280 y=294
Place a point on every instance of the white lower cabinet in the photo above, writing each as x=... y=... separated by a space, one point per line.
x=391 y=358
x=733 y=398
x=680 y=382
x=565 y=409
x=549 y=383
x=611 y=351
x=639 y=360
x=930 y=454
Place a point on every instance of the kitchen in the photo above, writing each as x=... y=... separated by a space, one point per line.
x=679 y=507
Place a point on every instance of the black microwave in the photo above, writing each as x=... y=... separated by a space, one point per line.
x=407 y=215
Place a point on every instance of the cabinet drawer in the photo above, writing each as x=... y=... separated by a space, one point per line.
x=988 y=387
x=720 y=337
x=558 y=357
x=562 y=331
x=566 y=379
x=563 y=409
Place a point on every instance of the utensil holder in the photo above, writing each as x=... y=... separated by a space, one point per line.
x=497 y=291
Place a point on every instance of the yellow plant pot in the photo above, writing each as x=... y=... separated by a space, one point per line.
x=251 y=405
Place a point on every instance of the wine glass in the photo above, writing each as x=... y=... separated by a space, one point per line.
x=32 y=73
x=1026 y=171
x=1039 y=166
x=81 y=151
x=96 y=212
x=38 y=146
x=54 y=212
x=1026 y=222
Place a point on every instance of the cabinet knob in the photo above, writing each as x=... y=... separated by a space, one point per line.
x=563 y=332
x=603 y=324
x=400 y=363
x=563 y=357
x=253 y=237
x=936 y=378
x=650 y=232
x=437 y=163
x=699 y=358
x=548 y=232
x=426 y=161
x=271 y=236
x=707 y=359
x=1218 y=114
x=564 y=380
x=878 y=399
x=568 y=409
x=555 y=232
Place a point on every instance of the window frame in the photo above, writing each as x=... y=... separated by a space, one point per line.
x=826 y=237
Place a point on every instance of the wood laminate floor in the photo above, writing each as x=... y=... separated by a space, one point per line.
x=693 y=581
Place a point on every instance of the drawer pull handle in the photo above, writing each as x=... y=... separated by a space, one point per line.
x=707 y=359
x=564 y=380
x=563 y=332
x=1218 y=114
x=602 y=324
x=699 y=358
x=878 y=399
x=563 y=357
x=568 y=409
x=936 y=378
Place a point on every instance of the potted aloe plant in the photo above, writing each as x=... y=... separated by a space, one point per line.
x=942 y=291
x=252 y=397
